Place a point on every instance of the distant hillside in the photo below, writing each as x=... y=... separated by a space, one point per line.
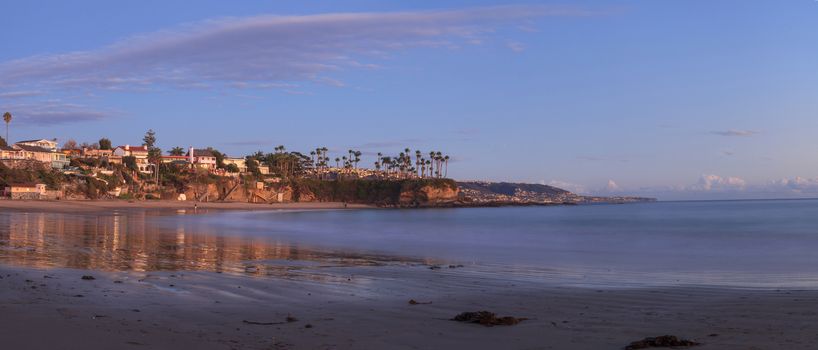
x=505 y=193
x=479 y=192
x=511 y=189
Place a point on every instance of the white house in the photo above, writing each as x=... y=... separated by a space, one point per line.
x=202 y=158
x=50 y=145
x=138 y=152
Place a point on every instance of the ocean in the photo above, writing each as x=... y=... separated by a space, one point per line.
x=742 y=244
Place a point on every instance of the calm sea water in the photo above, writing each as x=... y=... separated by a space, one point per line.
x=736 y=243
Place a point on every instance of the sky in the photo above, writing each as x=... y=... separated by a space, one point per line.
x=675 y=99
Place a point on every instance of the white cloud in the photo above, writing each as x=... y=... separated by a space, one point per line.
x=612 y=186
x=262 y=50
x=718 y=183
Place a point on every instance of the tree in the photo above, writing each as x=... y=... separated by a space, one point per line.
x=104 y=144
x=219 y=157
x=252 y=165
x=232 y=168
x=3 y=142
x=7 y=119
x=130 y=162
x=70 y=144
x=150 y=139
x=154 y=153
x=177 y=151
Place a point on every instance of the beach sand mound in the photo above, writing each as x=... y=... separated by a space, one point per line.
x=487 y=319
x=665 y=341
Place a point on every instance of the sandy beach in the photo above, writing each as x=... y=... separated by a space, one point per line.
x=368 y=308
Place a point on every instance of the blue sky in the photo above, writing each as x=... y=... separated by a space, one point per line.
x=676 y=99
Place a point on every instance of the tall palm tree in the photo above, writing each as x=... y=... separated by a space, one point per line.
x=7 y=119
x=446 y=159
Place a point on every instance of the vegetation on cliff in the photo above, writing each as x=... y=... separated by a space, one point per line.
x=378 y=192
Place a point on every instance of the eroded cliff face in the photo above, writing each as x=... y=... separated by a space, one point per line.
x=407 y=193
x=429 y=196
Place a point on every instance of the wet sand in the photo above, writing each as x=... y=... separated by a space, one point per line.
x=98 y=205
x=367 y=308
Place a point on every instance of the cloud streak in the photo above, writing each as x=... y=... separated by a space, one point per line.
x=52 y=113
x=734 y=133
x=262 y=51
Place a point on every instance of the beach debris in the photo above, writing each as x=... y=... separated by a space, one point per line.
x=291 y=319
x=455 y=266
x=664 y=341
x=261 y=323
x=487 y=319
x=415 y=302
x=88 y=277
x=434 y=267
x=307 y=325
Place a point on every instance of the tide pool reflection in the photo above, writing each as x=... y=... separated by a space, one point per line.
x=130 y=241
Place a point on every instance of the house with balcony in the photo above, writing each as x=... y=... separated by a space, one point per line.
x=50 y=145
x=202 y=158
x=97 y=153
x=40 y=154
x=10 y=153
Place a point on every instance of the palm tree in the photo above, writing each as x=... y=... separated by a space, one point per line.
x=176 y=151
x=7 y=119
x=446 y=159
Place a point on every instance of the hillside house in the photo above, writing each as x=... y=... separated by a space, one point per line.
x=24 y=191
x=140 y=153
x=240 y=163
x=50 y=145
x=40 y=154
x=202 y=158
x=97 y=153
x=175 y=159
x=10 y=153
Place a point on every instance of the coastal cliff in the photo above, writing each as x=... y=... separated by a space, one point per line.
x=385 y=193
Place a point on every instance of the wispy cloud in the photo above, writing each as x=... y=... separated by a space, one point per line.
x=56 y=112
x=19 y=94
x=733 y=132
x=263 y=51
x=516 y=46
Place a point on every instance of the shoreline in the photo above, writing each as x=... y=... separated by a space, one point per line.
x=100 y=205
x=90 y=205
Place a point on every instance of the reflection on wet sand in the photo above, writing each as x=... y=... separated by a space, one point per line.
x=132 y=241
